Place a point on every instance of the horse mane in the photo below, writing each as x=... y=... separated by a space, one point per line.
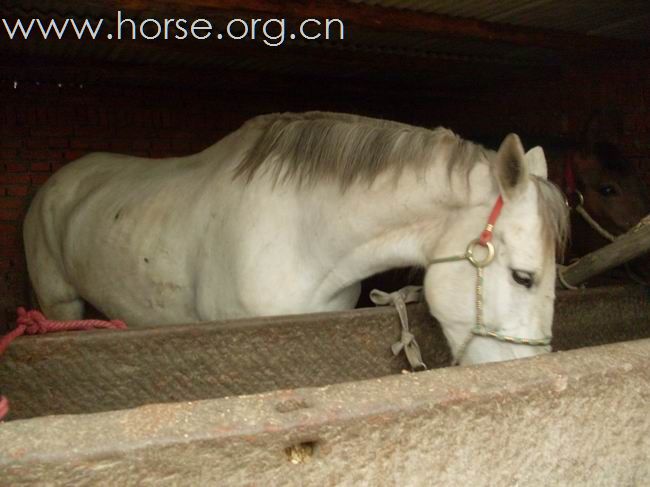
x=554 y=214
x=315 y=146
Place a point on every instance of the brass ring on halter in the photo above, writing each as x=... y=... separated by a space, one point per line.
x=469 y=253
x=574 y=199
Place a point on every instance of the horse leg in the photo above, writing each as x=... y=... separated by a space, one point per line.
x=71 y=310
x=57 y=298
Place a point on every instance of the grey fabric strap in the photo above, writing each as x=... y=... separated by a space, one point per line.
x=408 y=294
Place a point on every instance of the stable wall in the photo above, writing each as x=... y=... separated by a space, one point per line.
x=43 y=126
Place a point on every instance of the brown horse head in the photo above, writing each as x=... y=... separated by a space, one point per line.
x=614 y=193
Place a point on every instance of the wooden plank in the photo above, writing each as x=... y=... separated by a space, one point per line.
x=100 y=371
x=625 y=248
x=80 y=372
x=367 y=83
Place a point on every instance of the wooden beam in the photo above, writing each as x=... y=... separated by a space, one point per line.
x=396 y=20
x=629 y=246
x=92 y=371
x=97 y=72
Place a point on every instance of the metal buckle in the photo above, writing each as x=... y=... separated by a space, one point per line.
x=469 y=253
x=574 y=199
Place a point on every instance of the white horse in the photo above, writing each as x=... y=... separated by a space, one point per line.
x=287 y=215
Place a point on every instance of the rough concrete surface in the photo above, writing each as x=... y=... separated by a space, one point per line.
x=569 y=418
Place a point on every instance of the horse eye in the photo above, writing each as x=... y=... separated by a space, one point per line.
x=523 y=278
x=607 y=190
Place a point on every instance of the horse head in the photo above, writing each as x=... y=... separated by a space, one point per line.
x=501 y=308
x=609 y=187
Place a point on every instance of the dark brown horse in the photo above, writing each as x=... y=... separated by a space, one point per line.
x=613 y=191
x=597 y=174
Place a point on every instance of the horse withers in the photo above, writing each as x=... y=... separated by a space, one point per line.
x=288 y=214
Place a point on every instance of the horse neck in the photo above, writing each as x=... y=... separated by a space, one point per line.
x=393 y=223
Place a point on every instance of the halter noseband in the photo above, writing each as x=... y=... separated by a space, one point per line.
x=479 y=329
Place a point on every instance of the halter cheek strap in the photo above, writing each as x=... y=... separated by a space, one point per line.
x=486 y=234
x=569 y=176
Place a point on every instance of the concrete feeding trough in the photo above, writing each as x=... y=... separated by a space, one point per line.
x=320 y=400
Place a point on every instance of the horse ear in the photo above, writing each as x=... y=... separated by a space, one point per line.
x=511 y=168
x=536 y=161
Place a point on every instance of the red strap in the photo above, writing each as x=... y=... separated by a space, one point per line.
x=4 y=407
x=569 y=176
x=486 y=235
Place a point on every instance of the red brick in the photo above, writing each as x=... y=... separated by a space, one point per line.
x=17 y=190
x=13 y=133
x=138 y=133
x=10 y=214
x=14 y=178
x=13 y=254
x=16 y=166
x=36 y=143
x=8 y=154
x=52 y=131
x=11 y=142
x=8 y=228
x=11 y=203
x=40 y=167
x=121 y=145
x=66 y=122
x=41 y=115
x=57 y=165
x=161 y=145
x=141 y=145
x=8 y=239
x=90 y=132
x=71 y=155
x=90 y=144
x=182 y=146
x=142 y=118
x=633 y=123
x=39 y=179
x=58 y=143
x=41 y=154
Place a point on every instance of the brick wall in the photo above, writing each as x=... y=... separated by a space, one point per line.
x=42 y=127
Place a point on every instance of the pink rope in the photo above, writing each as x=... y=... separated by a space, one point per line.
x=4 y=407
x=33 y=322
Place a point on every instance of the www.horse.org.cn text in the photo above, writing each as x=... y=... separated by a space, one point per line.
x=271 y=32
